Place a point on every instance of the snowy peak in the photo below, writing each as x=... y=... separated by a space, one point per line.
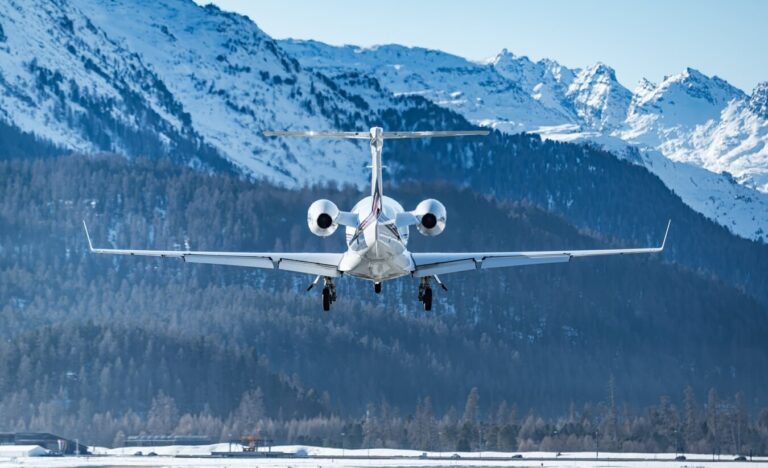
x=704 y=121
x=545 y=81
x=476 y=90
x=504 y=54
x=714 y=90
x=521 y=69
x=758 y=102
x=601 y=69
x=642 y=91
x=599 y=98
x=687 y=98
x=682 y=107
x=524 y=70
x=513 y=66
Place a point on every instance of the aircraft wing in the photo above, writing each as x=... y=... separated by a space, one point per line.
x=428 y=264
x=324 y=264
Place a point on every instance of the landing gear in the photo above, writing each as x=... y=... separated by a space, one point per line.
x=329 y=293
x=425 y=293
x=326 y=299
x=377 y=288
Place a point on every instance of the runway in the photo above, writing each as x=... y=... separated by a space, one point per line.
x=318 y=457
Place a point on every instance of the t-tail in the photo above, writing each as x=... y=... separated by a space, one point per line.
x=376 y=137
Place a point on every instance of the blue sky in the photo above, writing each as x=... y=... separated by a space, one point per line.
x=639 y=39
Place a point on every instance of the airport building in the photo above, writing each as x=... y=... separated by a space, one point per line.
x=45 y=440
x=163 y=440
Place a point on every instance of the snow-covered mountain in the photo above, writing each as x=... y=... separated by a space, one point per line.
x=477 y=92
x=57 y=66
x=705 y=122
x=600 y=101
x=703 y=137
x=678 y=104
x=546 y=81
x=166 y=73
x=174 y=78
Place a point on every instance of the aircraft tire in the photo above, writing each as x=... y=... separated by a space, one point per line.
x=427 y=299
x=326 y=299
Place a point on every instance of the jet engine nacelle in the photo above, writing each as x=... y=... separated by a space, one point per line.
x=322 y=217
x=431 y=216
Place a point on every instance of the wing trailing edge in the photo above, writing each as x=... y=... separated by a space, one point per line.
x=314 y=263
x=428 y=264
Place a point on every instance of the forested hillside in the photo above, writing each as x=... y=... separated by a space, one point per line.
x=14 y=142
x=101 y=337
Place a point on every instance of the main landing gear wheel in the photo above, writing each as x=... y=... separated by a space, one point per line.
x=427 y=299
x=377 y=288
x=329 y=293
x=425 y=293
x=326 y=299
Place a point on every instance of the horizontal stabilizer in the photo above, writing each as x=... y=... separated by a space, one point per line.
x=354 y=135
x=385 y=135
x=436 y=134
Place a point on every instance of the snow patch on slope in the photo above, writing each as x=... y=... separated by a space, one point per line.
x=236 y=82
x=476 y=91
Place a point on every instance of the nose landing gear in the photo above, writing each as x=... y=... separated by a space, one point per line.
x=377 y=287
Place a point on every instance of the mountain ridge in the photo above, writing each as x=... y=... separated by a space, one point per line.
x=148 y=85
x=589 y=105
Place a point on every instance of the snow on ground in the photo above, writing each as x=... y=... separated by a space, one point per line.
x=10 y=451
x=193 y=456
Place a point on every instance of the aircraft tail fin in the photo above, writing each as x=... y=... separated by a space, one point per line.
x=376 y=137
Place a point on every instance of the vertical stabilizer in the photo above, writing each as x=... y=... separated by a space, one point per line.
x=377 y=143
x=376 y=136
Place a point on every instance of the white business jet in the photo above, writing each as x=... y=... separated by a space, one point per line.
x=377 y=236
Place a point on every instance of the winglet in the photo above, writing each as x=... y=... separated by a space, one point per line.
x=87 y=236
x=664 y=242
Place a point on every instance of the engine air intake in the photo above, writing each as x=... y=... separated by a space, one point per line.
x=431 y=215
x=322 y=218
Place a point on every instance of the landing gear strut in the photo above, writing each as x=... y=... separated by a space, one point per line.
x=425 y=293
x=329 y=293
x=377 y=288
